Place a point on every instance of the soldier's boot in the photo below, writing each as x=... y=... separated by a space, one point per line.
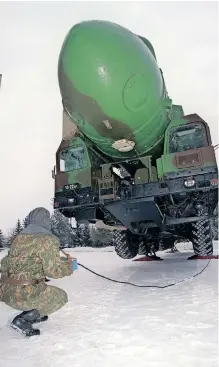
x=23 y=324
x=33 y=316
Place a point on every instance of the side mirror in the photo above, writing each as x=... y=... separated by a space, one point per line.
x=54 y=172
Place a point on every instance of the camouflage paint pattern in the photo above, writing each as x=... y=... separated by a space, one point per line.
x=112 y=87
x=167 y=163
x=34 y=257
x=82 y=176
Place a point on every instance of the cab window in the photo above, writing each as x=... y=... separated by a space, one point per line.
x=186 y=137
x=72 y=158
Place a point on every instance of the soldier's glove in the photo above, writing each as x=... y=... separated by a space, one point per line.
x=71 y=261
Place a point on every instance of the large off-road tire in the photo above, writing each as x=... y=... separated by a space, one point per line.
x=214 y=228
x=202 y=238
x=142 y=248
x=167 y=244
x=126 y=245
x=145 y=247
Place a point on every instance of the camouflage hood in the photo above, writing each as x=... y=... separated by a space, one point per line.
x=38 y=222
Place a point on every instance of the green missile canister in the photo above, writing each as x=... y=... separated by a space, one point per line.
x=113 y=89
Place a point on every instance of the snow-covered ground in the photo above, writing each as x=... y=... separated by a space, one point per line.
x=115 y=325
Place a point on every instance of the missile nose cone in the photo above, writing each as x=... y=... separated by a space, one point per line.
x=134 y=93
x=112 y=88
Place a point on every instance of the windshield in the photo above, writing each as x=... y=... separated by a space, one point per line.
x=187 y=137
x=72 y=158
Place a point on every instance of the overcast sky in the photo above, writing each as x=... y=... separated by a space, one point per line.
x=185 y=38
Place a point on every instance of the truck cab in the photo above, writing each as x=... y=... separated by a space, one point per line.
x=153 y=199
x=187 y=148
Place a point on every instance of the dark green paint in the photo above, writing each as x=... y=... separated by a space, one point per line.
x=113 y=88
x=107 y=73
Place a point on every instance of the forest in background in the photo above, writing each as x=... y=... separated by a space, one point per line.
x=81 y=236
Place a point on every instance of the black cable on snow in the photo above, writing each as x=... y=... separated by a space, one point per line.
x=146 y=286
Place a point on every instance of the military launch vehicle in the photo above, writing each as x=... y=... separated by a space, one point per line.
x=129 y=156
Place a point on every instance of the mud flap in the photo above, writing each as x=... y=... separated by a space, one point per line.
x=133 y=211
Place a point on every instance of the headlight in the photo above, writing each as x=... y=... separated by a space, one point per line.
x=214 y=182
x=71 y=201
x=189 y=182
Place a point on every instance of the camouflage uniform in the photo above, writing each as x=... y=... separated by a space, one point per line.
x=34 y=255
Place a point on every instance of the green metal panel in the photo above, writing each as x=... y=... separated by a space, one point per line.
x=165 y=165
x=74 y=172
x=113 y=89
